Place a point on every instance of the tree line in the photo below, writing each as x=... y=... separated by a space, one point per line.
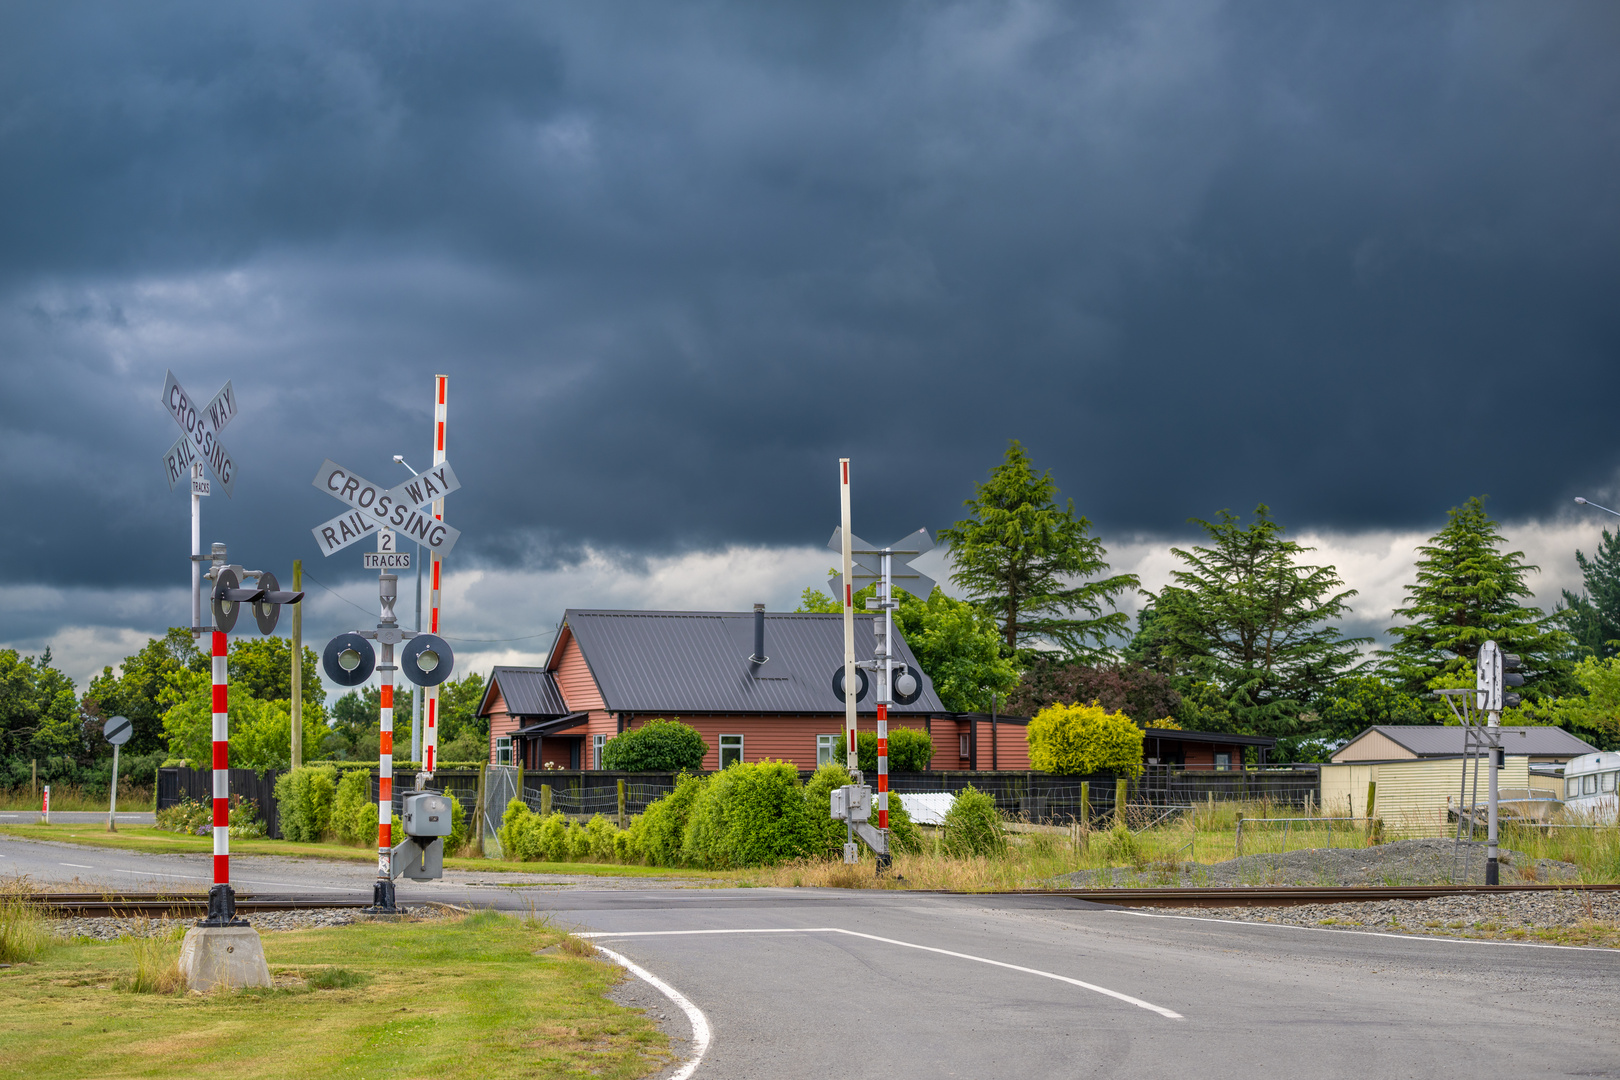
x=165 y=688
x=1246 y=638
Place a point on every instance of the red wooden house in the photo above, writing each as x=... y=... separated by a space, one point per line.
x=610 y=671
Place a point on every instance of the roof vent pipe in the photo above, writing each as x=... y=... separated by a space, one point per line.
x=759 y=656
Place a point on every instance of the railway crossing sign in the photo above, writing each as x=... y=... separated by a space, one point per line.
x=867 y=563
x=199 y=442
x=372 y=507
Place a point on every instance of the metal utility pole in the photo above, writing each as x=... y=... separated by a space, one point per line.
x=298 y=669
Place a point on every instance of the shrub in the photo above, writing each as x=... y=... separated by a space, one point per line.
x=1120 y=846
x=601 y=835
x=749 y=815
x=578 y=844
x=1070 y=739
x=304 y=797
x=186 y=816
x=354 y=813
x=973 y=826
x=458 y=827
x=244 y=819
x=657 y=833
x=658 y=745
x=910 y=750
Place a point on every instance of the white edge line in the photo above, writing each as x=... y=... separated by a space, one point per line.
x=694 y=1015
x=1366 y=933
x=1093 y=987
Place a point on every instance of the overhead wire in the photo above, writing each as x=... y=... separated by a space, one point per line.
x=479 y=641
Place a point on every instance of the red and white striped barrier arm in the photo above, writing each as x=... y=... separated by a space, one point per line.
x=222 y=764
x=431 y=737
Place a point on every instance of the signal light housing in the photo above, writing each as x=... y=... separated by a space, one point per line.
x=427 y=660
x=349 y=659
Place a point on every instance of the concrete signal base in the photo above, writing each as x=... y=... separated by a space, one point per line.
x=223 y=956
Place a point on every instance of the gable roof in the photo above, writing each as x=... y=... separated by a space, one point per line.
x=1437 y=741
x=526 y=691
x=697 y=661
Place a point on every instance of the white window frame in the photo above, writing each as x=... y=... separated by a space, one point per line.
x=1572 y=787
x=503 y=750
x=1589 y=784
x=824 y=749
x=597 y=742
x=1223 y=766
x=730 y=744
x=964 y=745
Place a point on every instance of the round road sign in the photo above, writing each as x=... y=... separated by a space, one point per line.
x=117 y=730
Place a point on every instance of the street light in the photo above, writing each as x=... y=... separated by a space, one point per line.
x=1589 y=502
x=416 y=694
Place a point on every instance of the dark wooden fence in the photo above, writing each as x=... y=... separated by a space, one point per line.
x=176 y=784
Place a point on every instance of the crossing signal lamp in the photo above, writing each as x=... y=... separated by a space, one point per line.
x=265 y=598
x=1495 y=671
x=1512 y=668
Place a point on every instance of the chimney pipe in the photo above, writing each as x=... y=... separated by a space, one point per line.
x=759 y=656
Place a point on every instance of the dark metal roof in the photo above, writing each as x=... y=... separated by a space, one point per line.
x=697 y=661
x=1225 y=738
x=527 y=691
x=1427 y=741
x=548 y=727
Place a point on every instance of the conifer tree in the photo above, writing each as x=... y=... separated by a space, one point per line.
x=1031 y=565
x=1593 y=618
x=1468 y=592
x=1246 y=622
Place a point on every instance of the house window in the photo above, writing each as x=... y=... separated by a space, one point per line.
x=1223 y=762
x=962 y=746
x=503 y=750
x=731 y=750
x=824 y=749
x=597 y=742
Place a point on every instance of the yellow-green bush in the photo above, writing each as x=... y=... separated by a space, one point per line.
x=973 y=826
x=1073 y=739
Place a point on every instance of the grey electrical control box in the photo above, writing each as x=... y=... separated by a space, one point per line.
x=852 y=803
x=427 y=815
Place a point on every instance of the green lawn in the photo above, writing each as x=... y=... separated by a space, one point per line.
x=485 y=996
x=150 y=840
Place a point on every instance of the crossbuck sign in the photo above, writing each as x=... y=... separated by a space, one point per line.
x=201 y=427
x=372 y=507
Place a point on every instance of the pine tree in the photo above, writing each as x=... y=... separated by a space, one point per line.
x=1467 y=593
x=1593 y=618
x=1032 y=566
x=1246 y=621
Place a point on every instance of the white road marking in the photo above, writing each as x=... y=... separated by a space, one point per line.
x=699 y=1022
x=194 y=877
x=1115 y=994
x=1365 y=933
x=76 y=866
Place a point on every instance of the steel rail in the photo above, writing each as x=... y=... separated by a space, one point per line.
x=1292 y=895
x=151 y=904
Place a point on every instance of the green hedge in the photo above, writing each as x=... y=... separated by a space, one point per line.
x=973 y=826
x=657 y=746
x=910 y=750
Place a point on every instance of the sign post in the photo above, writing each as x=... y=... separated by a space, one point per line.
x=116 y=731
x=45 y=807
x=862 y=562
x=373 y=509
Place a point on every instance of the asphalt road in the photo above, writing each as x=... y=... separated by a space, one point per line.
x=868 y=984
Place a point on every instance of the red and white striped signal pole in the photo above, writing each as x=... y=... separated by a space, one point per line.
x=431 y=752
x=387 y=634
x=222 y=769
x=851 y=753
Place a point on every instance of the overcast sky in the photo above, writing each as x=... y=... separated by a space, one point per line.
x=1358 y=262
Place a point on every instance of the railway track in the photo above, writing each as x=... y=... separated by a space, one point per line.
x=1291 y=895
x=88 y=904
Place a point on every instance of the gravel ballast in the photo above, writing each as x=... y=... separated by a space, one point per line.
x=1402 y=862
x=1554 y=917
x=106 y=928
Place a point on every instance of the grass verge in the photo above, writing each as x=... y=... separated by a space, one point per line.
x=156 y=841
x=466 y=997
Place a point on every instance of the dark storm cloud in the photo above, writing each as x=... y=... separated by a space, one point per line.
x=1357 y=261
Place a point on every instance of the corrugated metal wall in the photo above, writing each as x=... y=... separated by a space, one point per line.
x=1412 y=796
